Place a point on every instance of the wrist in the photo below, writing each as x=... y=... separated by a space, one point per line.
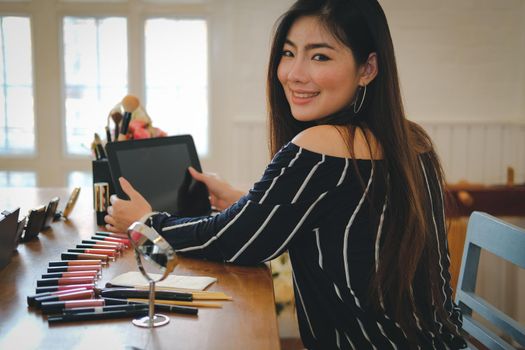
x=146 y=218
x=235 y=195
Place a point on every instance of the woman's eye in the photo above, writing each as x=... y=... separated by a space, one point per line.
x=287 y=53
x=320 y=57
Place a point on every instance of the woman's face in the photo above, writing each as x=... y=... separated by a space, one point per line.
x=318 y=73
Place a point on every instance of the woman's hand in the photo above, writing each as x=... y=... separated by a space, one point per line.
x=222 y=194
x=122 y=213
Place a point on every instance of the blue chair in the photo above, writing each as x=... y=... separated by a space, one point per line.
x=506 y=241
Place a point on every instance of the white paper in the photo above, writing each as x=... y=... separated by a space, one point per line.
x=137 y=280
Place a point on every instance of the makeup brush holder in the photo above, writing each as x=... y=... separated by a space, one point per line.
x=101 y=173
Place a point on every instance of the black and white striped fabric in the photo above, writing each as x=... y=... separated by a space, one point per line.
x=315 y=207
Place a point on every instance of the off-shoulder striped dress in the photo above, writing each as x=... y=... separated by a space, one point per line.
x=313 y=206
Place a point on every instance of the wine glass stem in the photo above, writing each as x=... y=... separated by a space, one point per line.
x=151 y=303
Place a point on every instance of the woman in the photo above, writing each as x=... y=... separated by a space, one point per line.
x=354 y=191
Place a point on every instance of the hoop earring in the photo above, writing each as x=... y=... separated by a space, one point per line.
x=362 y=99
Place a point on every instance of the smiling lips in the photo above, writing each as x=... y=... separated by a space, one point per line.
x=303 y=97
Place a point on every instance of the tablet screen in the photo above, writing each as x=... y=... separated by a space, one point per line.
x=158 y=170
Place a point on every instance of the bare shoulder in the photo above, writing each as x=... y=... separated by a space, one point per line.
x=334 y=141
x=324 y=139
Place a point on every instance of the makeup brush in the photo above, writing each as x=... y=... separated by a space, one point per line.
x=129 y=103
x=116 y=117
x=99 y=147
x=108 y=134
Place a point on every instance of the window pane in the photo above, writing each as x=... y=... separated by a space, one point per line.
x=96 y=70
x=16 y=87
x=177 y=77
x=17 y=179
x=80 y=179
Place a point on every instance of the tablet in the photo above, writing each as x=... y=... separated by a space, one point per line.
x=158 y=169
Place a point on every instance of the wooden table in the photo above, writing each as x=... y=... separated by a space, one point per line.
x=247 y=322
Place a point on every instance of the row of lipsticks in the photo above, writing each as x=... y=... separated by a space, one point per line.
x=69 y=286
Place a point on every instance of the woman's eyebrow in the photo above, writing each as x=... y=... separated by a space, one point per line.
x=311 y=46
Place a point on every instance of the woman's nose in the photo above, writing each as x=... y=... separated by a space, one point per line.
x=298 y=71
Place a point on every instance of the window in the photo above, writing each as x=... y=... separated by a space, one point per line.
x=17 y=120
x=177 y=77
x=79 y=179
x=96 y=75
x=17 y=179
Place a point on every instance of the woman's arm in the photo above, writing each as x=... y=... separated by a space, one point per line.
x=122 y=213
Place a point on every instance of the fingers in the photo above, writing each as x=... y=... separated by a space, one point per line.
x=127 y=188
x=196 y=175
x=110 y=223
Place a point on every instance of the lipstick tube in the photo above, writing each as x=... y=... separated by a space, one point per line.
x=84 y=256
x=110 y=253
x=78 y=295
x=98 y=246
x=111 y=239
x=117 y=245
x=31 y=298
x=112 y=234
x=74 y=268
x=101 y=192
x=57 y=306
x=65 y=287
x=65 y=280
x=86 y=273
x=74 y=262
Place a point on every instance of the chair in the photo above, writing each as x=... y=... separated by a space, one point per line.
x=506 y=241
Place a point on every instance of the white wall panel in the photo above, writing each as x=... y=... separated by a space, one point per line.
x=477 y=152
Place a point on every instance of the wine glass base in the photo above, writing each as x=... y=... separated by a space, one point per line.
x=158 y=320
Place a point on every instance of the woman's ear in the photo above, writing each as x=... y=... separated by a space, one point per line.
x=369 y=70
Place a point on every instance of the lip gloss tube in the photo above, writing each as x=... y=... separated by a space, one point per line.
x=107 y=252
x=78 y=295
x=74 y=262
x=31 y=298
x=57 y=306
x=86 y=273
x=65 y=287
x=118 y=245
x=65 y=280
x=84 y=256
x=111 y=234
x=111 y=239
x=74 y=268
x=98 y=246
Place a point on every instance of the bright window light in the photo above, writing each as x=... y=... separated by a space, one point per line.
x=17 y=179
x=17 y=119
x=177 y=77
x=96 y=76
x=79 y=179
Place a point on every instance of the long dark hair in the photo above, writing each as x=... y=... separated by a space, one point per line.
x=409 y=250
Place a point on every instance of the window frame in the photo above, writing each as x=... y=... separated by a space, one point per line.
x=34 y=153
x=50 y=161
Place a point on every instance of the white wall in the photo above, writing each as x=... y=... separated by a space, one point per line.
x=460 y=60
x=241 y=34
x=462 y=71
